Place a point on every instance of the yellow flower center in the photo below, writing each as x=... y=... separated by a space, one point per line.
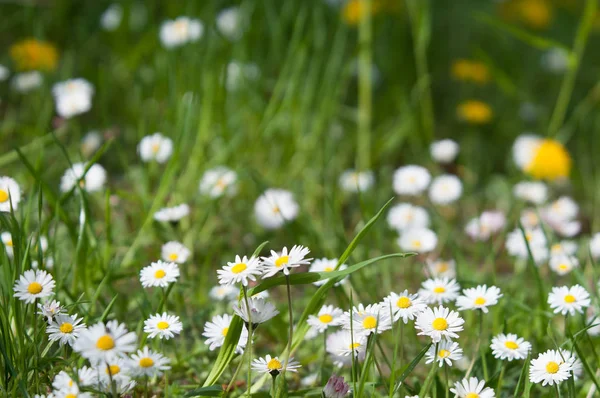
x=355 y=10
x=160 y=274
x=444 y=353
x=105 y=343
x=536 y=13
x=70 y=396
x=552 y=367
x=325 y=318
x=146 y=362
x=281 y=261
x=66 y=328
x=328 y=269
x=550 y=162
x=475 y=112
x=569 y=298
x=563 y=267
x=9 y=243
x=480 y=301
x=439 y=289
x=439 y=324
x=113 y=369
x=511 y=345
x=34 y=288
x=403 y=302
x=443 y=266
x=370 y=322
x=354 y=346
x=221 y=183
x=472 y=395
x=274 y=364
x=276 y=210
x=162 y=325
x=3 y=196
x=224 y=331
x=416 y=244
x=155 y=148
x=173 y=256
x=239 y=267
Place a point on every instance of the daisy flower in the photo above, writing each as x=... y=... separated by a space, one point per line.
x=445 y=189
x=285 y=261
x=33 y=285
x=327 y=317
x=561 y=216
x=229 y=23
x=570 y=300
x=447 y=351
x=10 y=194
x=480 y=297
x=92 y=181
x=516 y=244
x=509 y=347
x=217 y=182
x=275 y=207
x=411 y=180
x=550 y=368
x=565 y=247
x=442 y=268
x=532 y=192
x=444 y=151
x=172 y=214
x=366 y=320
x=224 y=292
x=404 y=305
x=103 y=341
x=439 y=290
x=73 y=97
x=439 y=323
x=343 y=343
x=65 y=329
x=595 y=245
x=174 y=252
x=8 y=243
x=483 y=227
x=241 y=271
x=260 y=311
x=216 y=330
x=162 y=325
x=420 y=240
x=159 y=274
x=274 y=366
x=472 y=388
x=115 y=368
x=50 y=309
x=569 y=356
x=180 y=31
x=356 y=181
x=542 y=158
x=155 y=147
x=146 y=362
x=562 y=264
x=405 y=216
x=326 y=265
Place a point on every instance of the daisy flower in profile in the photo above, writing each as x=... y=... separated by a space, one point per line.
x=65 y=329
x=50 y=309
x=146 y=362
x=224 y=292
x=366 y=320
x=275 y=207
x=327 y=317
x=420 y=240
x=444 y=151
x=172 y=214
x=509 y=347
x=445 y=189
x=447 y=351
x=216 y=330
x=10 y=194
x=411 y=180
x=439 y=323
x=180 y=31
x=101 y=342
x=92 y=181
x=155 y=147
x=595 y=246
x=285 y=261
x=550 y=368
x=159 y=274
x=404 y=305
x=441 y=268
x=260 y=311
x=343 y=343
x=472 y=388
x=33 y=285
x=570 y=300
x=535 y=192
x=218 y=181
x=163 y=325
x=439 y=290
x=356 y=181
x=8 y=243
x=405 y=216
x=326 y=265
x=562 y=264
x=174 y=252
x=480 y=297
x=274 y=366
x=241 y=271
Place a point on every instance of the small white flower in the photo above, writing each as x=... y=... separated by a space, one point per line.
x=565 y=247
x=569 y=356
x=241 y=271
x=8 y=243
x=50 y=309
x=155 y=147
x=10 y=194
x=549 y=368
x=447 y=351
x=172 y=214
x=593 y=321
x=102 y=342
x=218 y=181
x=327 y=317
x=216 y=330
x=524 y=149
x=33 y=285
x=516 y=244
x=260 y=310
x=275 y=207
x=364 y=321
x=472 y=388
x=420 y=240
x=356 y=181
x=274 y=366
x=175 y=252
x=229 y=23
x=530 y=191
x=163 y=325
x=570 y=300
x=411 y=180
x=93 y=181
x=27 y=81
x=439 y=323
x=115 y=369
x=555 y=60
x=343 y=343
x=183 y=30
x=509 y=347
x=595 y=245
x=480 y=297
x=65 y=329
x=439 y=290
x=159 y=274
x=4 y=73
x=483 y=227
x=405 y=216
x=73 y=97
x=285 y=261
x=111 y=18
x=561 y=216
x=224 y=292
x=444 y=151
x=90 y=143
x=146 y=362
x=404 y=305
x=445 y=189
x=326 y=265
x=562 y=264
x=442 y=268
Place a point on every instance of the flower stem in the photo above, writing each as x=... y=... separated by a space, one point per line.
x=447 y=381
x=249 y=342
x=476 y=353
x=289 y=345
x=365 y=55
x=499 y=385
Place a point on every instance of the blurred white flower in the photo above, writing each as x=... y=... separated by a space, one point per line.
x=484 y=226
x=444 y=151
x=524 y=149
x=445 y=189
x=404 y=216
x=111 y=18
x=472 y=387
x=27 y=81
x=562 y=264
x=155 y=147
x=561 y=216
x=93 y=180
x=218 y=181
x=229 y=23
x=411 y=180
x=90 y=143
x=326 y=265
x=73 y=97
x=172 y=214
x=238 y=72
x=275 y=207
x=4 y=73
x=595 y=245
x=530 y=191
x=356 y=181
x=10 y=194
x=183 y=30
x=420 y=240
x=175 y=252
x=555 y=60
x=442 y=268
x=516 y=244
x=439 y=290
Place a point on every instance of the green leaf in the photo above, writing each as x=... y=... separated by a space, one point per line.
x=226 y=353
x=586 y=365
x=523 y=383
x=210 y=391
x=411 y=366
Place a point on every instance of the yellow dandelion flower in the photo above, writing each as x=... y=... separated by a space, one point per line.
x=461 y=69
x=471 y=71
x=355 y=10
x=32 y=54
x=536 y=14
x=550 y=162
x=475 y=112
